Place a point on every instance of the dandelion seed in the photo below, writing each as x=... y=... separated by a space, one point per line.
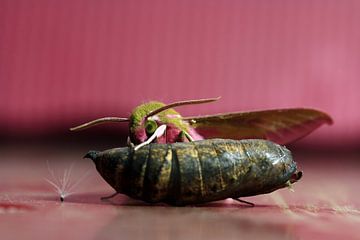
x=62 y=185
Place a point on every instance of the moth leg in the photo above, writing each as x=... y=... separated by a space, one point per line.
x=129 y=143
x=243 y=201
x=188 y=136
x=185 y=137
x=110 y=196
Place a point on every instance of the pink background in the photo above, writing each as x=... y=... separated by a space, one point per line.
x=64 y=62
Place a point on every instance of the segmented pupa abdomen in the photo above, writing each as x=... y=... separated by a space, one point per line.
x=196 y=172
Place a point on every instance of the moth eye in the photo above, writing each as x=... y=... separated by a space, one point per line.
x=150 y=126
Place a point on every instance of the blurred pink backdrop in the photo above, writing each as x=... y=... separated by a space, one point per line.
x=64 y=62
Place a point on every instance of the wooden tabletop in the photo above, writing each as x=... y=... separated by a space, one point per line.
x=325 y=204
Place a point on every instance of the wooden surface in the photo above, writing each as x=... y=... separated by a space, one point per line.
x=325 y=204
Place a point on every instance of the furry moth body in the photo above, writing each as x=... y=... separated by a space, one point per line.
x=197 y=172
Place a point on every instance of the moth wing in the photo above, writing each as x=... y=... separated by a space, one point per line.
x=281 y=125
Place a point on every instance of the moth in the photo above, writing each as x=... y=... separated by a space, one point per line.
x=189 y=160
x=161 y=123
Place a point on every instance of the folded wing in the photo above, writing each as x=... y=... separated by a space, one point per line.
x=281 y=126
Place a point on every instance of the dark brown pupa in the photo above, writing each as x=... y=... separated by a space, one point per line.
x=197 y=172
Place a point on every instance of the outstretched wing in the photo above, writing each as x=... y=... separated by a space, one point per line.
x=281 y=126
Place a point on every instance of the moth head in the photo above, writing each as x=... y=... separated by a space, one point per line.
x=146 y=118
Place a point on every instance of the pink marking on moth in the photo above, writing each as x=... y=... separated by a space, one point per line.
x=172 y=134
x=140 y=135
x=173 y=116
x=195 y=135
x=155 y=118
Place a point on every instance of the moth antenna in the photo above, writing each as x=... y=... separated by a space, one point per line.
x=97 y=122
x=182 y=103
